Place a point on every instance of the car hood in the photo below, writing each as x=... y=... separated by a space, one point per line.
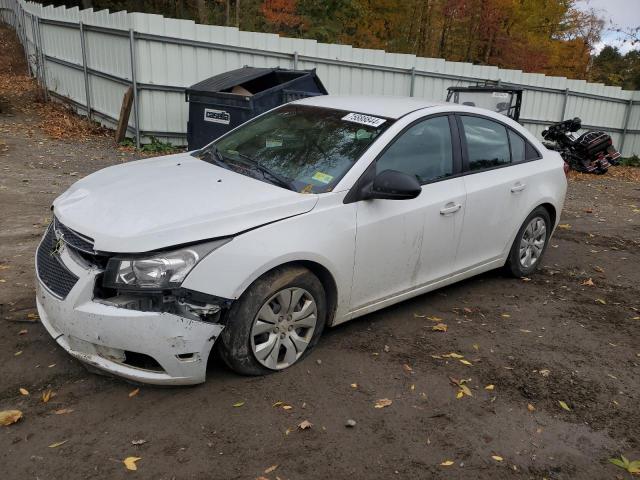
x=159 y=202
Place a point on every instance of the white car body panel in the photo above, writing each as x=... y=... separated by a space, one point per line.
x=155 y=203
x=377 y=252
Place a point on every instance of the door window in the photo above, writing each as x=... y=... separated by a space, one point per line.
x=487 y=143
x=424 y=150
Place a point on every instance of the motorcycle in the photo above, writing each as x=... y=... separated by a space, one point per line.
x=591 y=152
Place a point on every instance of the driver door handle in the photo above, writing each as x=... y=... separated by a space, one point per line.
x=450 y=208
x=518 y=187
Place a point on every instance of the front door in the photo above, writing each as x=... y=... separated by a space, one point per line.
x=404 y=244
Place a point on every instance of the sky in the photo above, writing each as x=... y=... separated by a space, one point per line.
x=623 y=13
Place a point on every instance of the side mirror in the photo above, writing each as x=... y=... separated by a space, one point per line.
x=394 y=185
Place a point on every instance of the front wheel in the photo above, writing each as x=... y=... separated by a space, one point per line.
x=275 y=323
x=530 y=243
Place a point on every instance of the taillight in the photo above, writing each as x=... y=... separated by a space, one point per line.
x=566 y=168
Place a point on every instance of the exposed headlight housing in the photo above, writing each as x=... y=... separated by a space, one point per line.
x=156 y=271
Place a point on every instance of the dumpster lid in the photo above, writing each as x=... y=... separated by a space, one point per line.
x=227 y=80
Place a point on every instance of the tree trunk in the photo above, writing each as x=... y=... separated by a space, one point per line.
x=238 y=13
x=227 y=12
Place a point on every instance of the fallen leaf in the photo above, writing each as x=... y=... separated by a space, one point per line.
x=564 y=226
x=544 y=372
x=465 y=362
x=142 y=441
x=62 y=411
x=467 y=310
x=57 y=444
x=18 y=353
x=24 y=391
x=598 y=269
x=489 y=387
x=130 y=462
x=354 y=385
x=277 y=404
x=623 y=462
x=447 y=463
x=505 y=315
x=459 y=394
x=588 y=283
x=531 y=408
x=407 y=368
x=466 y=390
x=133 y=393
x=305 y=424
x=284 y=407
x=272 y=468
x=23 y=332
x=525 y=279
x=434 y=319
x=46 y=395
x=476 y=347
x=601 y=301
x=564 y=405
x=7 y=417
x=383 y=402
x=441 y=327
x=239 y=404
x=497 y=458
x=453 y=355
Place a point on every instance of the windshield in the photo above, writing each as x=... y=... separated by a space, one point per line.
x=303 y=148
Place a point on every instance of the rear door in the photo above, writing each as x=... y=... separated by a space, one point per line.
x=499 y=184
x=404 y=244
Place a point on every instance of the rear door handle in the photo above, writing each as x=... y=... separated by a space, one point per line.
x=450 y=208
x=518 y=187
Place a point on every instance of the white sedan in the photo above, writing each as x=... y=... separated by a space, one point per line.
x=310 y=215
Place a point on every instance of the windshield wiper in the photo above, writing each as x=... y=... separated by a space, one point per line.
x=276 y=177
x=212 y=155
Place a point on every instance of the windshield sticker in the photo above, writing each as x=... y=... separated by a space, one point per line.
x=322 y=177
x=500 y=94
x=364 y=119
x=273 y=142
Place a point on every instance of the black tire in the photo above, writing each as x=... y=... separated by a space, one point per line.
x=235 y=343
x=514 y=266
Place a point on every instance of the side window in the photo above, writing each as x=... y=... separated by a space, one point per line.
x=517 y=147
x=424 y=150
x=487 y=143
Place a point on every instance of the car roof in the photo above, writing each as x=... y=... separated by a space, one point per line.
x=382 y=106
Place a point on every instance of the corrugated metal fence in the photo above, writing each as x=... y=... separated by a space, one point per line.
x=90 y=59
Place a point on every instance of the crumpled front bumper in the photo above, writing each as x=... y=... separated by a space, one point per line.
x=103 y=335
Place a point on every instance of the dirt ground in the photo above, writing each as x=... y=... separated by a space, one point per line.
x=539 y=342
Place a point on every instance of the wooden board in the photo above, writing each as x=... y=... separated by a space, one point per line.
x=125 y=111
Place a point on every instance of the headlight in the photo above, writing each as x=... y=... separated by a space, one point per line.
x=157 y=271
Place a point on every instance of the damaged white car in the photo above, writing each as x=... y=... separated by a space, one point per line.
x=312 y=214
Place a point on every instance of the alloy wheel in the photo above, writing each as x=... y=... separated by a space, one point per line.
x=532 y=242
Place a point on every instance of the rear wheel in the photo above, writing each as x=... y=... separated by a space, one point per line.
x=275 y=323
x=530 y=243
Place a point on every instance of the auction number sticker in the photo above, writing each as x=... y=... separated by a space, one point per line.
x=217 y=116
x=364 y=119
x=500 y=95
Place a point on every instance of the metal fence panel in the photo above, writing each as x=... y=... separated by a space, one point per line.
x=171 y=54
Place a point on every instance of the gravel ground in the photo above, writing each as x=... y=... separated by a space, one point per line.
x=554 y=338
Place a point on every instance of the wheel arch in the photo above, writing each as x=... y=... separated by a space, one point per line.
x=325 y=276
x=551 y=210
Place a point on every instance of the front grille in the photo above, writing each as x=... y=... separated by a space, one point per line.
x=72 y=238
x=51 y=271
